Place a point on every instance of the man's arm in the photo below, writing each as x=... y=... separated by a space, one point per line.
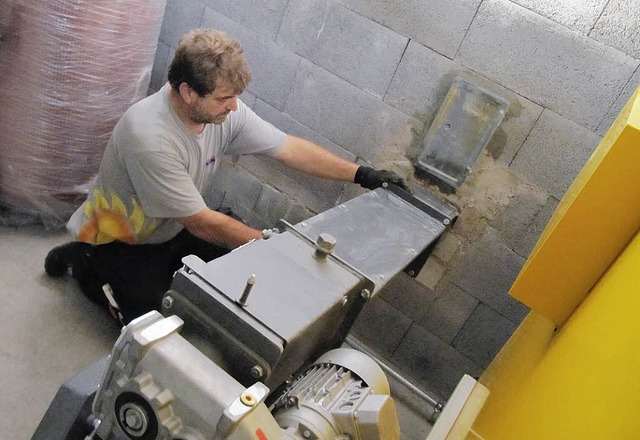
x=305 y=156
x=219 y=229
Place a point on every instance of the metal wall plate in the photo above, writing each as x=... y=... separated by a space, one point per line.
x=463 y=126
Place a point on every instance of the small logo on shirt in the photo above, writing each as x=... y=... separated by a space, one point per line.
x=211 y=160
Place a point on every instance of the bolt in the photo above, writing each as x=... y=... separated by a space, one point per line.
x=345 y=300
x=247 y=399
x=306 y=433
x=325 y=244
x=133 y=420
x=247 y=290
x=446 y=221
x=365 y=293
x=167 y=302
x=257 y=371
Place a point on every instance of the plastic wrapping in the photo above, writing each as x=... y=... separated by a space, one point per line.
x=69 y=70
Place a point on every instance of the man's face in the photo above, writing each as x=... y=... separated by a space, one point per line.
x=214 y=107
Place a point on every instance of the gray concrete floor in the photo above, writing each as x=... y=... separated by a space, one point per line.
x=51 y=332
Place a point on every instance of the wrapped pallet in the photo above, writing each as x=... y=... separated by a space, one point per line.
x=69 y=68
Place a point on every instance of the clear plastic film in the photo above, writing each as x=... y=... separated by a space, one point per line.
x=69 y=70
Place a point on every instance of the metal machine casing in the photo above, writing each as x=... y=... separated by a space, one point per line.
x=275 y=327
x=304 y=301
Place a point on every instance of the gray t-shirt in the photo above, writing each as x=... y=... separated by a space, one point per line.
x=155 y=170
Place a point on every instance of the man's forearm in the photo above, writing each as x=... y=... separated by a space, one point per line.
x=305 y=156
x=219 y=229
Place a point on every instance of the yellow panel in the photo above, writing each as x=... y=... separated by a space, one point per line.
x=584 y=384
x=594 y=221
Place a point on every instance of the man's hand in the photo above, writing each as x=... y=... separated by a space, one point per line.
x=370 y=178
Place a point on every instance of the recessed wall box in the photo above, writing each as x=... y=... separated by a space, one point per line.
x=467 y=119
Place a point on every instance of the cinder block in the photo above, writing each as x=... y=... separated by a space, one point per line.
x=530 y=237
x=448 y=246
x=298 y=213
x=487 y=271
x=351 y=191
x=381 y=326
x=259 y=15
x=581 y=16
x=407 y=295
x=521 y=235
x=272 y=205
x=242 y=189
x=180 y=16
x=251 y=218
x=161 y=63
x=214 y=198
x=448 y=313
x=617 y=106
x=289 y=125
x=471 y=223
x=248 y=98
x=483 y=335
x=364 y=127
x=421 y=82
x=431 y=364
x=618 y=26
x=545 y=62
x=345 y=43
x=273 y=67
x=515 y=220
x=315 y=193
x=431 y=273
x=554 y=153
x=438 y=24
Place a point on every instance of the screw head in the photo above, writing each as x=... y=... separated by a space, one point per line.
x=133 y=420
x=167 y=302
x=247 y=399
x=326 y=243
x=257 y=372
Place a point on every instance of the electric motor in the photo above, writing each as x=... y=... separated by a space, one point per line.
x=343 y=395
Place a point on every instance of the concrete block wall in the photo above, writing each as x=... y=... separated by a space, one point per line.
x=365 y=78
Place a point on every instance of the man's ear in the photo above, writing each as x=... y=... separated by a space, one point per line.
x=187 y=94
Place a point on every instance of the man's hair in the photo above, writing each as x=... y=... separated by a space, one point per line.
x=206 y=58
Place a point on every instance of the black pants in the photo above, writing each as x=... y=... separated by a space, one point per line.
x=139 y=275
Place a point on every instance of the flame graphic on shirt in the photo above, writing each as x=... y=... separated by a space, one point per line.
x=107 y=220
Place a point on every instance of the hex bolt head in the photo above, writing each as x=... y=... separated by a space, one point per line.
x=325 y=244
x=167 y=302
x=257 y=372
x=133 y=420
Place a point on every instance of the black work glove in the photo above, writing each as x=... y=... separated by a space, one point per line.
x=370 y=178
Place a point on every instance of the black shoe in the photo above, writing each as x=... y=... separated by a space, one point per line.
x=60 y=258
